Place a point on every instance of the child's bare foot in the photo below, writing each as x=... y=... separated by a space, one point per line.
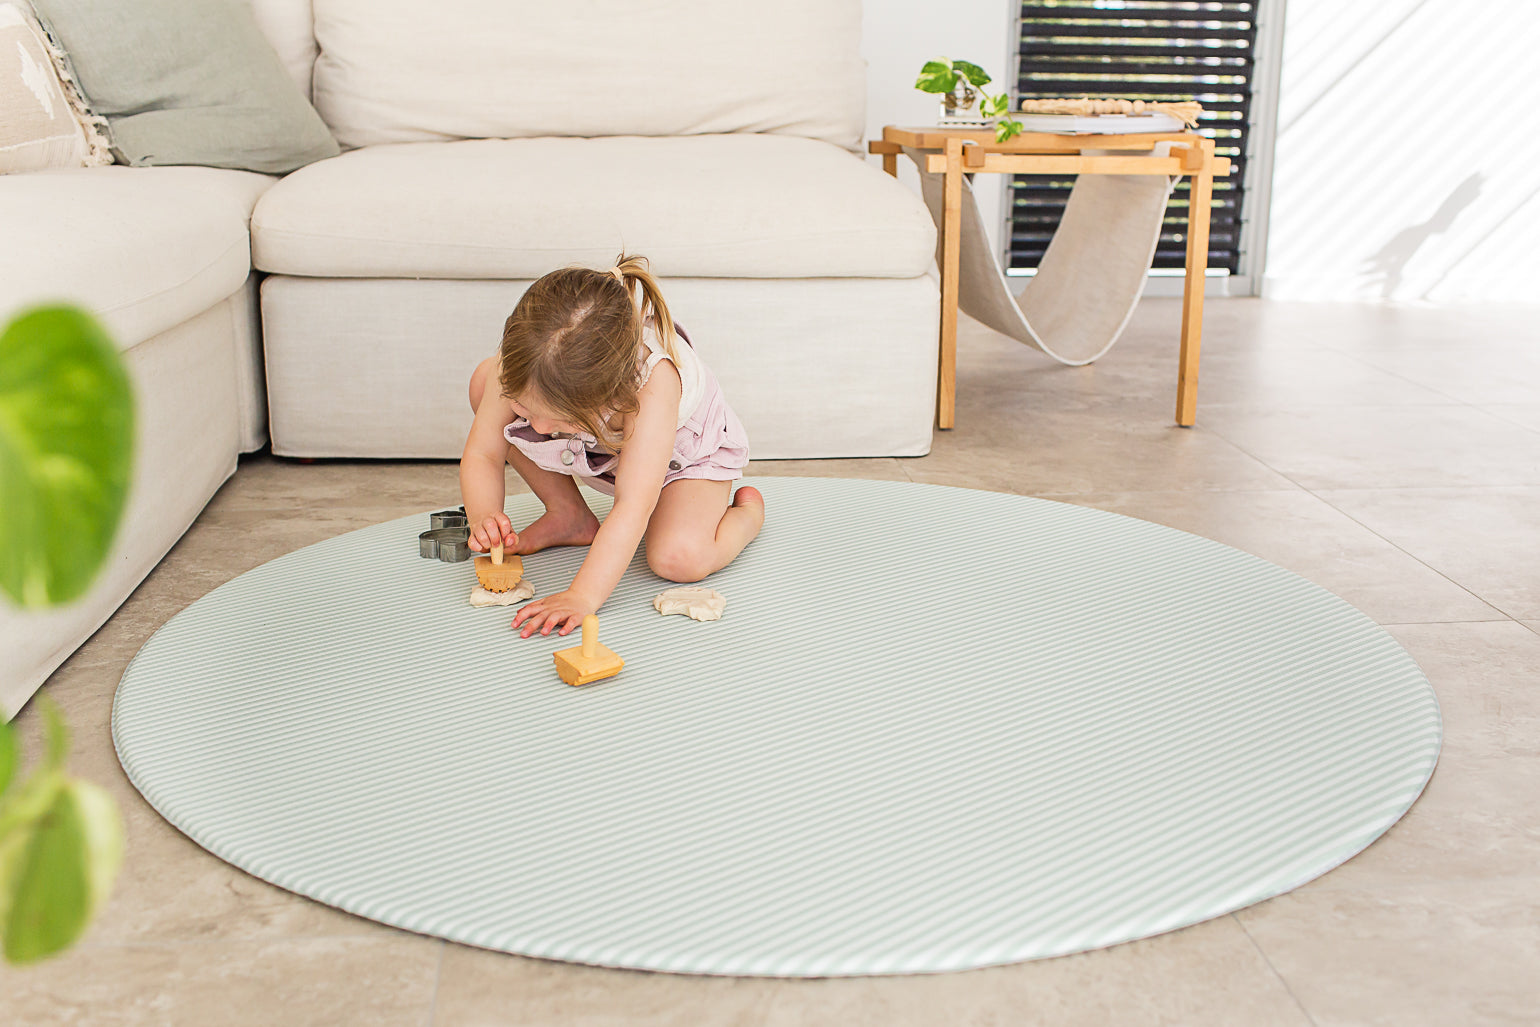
x=569 y=527
x=748 y=495
x=751 y=502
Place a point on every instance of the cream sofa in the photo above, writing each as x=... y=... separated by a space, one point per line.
x=162 y=256
x=497 y=141
x=483 y=147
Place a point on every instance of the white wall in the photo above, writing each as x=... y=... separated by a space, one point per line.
x=1407 y=166
x=1407 y=163
x=899 y=36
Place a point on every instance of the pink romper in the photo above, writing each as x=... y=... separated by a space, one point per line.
x=710 y=444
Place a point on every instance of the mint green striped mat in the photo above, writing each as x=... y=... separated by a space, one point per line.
x=936 y=729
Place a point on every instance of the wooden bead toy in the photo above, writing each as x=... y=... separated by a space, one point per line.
x=1185 y=111
x=499 y=574
x=589 y=661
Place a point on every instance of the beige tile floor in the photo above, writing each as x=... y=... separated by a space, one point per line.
x=1391 y=454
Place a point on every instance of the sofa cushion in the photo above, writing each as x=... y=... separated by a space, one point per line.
x=289 y=27
x=733 y=206
x=393 y=71
x=815 y=367
x=188 y=82
x=143 y=248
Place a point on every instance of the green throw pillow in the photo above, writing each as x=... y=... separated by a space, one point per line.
x=187 y=82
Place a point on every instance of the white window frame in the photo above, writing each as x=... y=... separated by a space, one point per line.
x=1257 y=185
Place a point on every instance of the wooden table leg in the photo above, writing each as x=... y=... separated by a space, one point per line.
x=951 y=237
x=1200 y=199
x=888 y=152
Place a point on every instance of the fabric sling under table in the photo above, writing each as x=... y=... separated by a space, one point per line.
x=1089 y=280
x=935 y=729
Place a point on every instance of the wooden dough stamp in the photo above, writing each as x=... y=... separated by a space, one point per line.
x=589 y=661
x=497 y=573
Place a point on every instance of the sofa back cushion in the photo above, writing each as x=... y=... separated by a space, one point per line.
x=187 y=82
x=288 y=25
x=392 y=71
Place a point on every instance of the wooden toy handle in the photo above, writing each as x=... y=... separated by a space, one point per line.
x=497 y=552
x=590 y=636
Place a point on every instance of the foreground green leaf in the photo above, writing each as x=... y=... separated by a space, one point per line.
x=66 y=447
x=8 y=757
x=56 y=869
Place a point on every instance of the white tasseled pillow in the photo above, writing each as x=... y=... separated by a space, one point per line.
x=43 y=122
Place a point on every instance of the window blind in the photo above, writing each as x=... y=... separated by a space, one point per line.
x=1140 y=50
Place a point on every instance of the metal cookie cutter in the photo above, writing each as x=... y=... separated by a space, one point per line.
x=448 y=537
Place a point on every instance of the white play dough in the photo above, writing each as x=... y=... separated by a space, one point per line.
x=517 y=594
x=692 y=601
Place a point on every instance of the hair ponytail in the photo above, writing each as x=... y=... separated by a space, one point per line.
x=634 y=268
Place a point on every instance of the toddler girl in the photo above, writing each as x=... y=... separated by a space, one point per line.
x=593 y=380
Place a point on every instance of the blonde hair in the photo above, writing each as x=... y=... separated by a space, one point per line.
x=574 y=337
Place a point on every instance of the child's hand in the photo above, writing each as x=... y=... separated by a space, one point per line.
x=565 y=610
x=494 y=530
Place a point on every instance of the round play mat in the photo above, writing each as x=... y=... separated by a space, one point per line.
x=935 y=729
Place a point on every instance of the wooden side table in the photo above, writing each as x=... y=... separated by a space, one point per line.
x=965 y=151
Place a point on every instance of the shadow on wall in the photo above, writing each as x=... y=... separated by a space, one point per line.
x=1390 y=262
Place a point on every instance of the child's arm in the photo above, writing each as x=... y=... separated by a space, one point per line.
x=644 y=456
x=481 y=474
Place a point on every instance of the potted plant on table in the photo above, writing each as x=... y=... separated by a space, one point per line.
x=964 y=104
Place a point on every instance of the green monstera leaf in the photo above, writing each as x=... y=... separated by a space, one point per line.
x=66 y=452
x=57 y=869
x=66 y=449
x=7 y=757
x=937 y=77
x=61 y=844
x=941 y=75
x=976 y=75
